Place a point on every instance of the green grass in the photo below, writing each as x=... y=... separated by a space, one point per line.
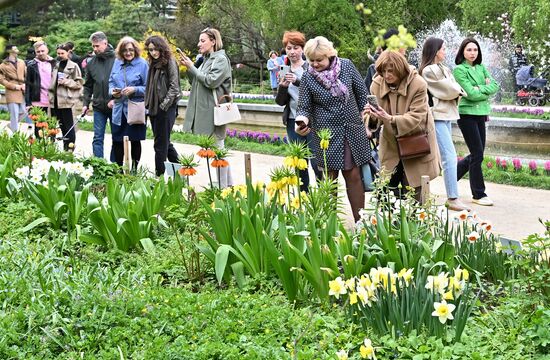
x=513 y=115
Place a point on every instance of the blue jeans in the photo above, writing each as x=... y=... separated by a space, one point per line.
x=448 y=156
x=100 y=123
x=304 y=174
x=474 y=132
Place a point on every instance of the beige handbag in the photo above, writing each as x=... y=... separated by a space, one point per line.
x=136 y=112
x=225 y=113
x=136 y=109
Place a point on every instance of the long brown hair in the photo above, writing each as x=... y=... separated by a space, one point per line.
x=431 y=46
x=161 y=45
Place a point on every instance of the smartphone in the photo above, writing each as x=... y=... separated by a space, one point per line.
x=373 y=101
x=301 y=124
x=61 y=75
x=180 y=52
x=283 y=70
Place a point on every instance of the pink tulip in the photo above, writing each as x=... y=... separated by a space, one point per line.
x=497 y=161
x=533 y=166
x=503 y=164
x=547 y=165
x=517 y=164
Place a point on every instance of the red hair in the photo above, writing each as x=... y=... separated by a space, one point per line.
x=294 y=37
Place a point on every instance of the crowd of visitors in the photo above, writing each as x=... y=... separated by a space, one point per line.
x=318 y=89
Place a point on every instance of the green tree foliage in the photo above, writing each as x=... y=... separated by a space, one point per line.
x=76 y=31
x=530 y=23
x=482 y=16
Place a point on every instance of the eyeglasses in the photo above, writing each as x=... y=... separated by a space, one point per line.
x=129 y=50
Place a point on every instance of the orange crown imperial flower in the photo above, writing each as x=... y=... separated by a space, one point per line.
x=206 y=153
x=187 y=171
x=220 y=163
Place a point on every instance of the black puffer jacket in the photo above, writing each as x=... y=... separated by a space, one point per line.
x=32 y=81
x=96 y=86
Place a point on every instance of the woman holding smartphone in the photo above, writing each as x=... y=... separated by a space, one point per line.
x=444 y=94
x=127 y=82
x=287 y=96
x=162 y=93
x=474 y=109
x=402 y=110
x=211 y=78
x=63 y=93
x=332 y=94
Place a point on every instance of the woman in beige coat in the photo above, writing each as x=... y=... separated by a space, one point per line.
x=64 y=92
x=444 y=93
x=403 y=110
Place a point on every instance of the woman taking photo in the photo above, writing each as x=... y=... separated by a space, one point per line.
x=403 y=110
x=211 y=78
x=444 y=93
x=63 y=93
x=332 y=93
x=287 y=95
x=161 y=99
x=127 y=82
x=479 y=85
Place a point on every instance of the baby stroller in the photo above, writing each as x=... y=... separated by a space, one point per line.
x=533 y=89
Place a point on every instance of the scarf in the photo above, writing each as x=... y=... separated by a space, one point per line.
x=328 y=78
x=152 y=100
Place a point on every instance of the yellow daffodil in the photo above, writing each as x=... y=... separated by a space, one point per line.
x=342 y=355
x=365 y=281
x=350 y=284
x=437 y=283
x=448 y=295
x=337 y=287
x=443 y=311
x=367 y=350
x=406 y=275
x=352 y=298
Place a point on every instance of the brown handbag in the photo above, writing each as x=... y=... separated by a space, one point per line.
x=413 y=146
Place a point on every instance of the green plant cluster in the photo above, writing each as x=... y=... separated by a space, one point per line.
x=158 y=280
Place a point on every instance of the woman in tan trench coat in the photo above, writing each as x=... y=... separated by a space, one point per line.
x=403 y=110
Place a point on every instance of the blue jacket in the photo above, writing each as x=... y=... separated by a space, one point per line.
x=123 y=75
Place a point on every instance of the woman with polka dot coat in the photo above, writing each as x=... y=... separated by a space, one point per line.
x=332 y=95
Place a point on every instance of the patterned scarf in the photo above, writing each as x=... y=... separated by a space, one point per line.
x=328 y=78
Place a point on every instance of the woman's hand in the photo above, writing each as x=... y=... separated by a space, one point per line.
x=301 y=126
x=127 y=91
x=185 y=60
x=110 y=104
x=376 y=112
x=284 y=82
x=487 y=81
x=291 y=78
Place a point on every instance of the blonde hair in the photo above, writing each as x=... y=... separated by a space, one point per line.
x=319 y=46
x=214 y=35
x=38 y=44
x=122 y=45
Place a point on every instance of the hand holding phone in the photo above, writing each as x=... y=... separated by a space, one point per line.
x=373 y=102
x=180 y=52
x=301 y=124
x=283 y=70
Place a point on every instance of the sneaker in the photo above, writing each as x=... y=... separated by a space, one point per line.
x=484 y=201
x=456 y=205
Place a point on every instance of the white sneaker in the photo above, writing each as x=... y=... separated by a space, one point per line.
x=484 y=201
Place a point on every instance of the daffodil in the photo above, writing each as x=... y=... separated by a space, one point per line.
x=342 y=355
x=352 y=298
x=337 y=287
x=443 y=311
x=367 y=350
x=473 y=236
x=406 y=275
x=437 y=283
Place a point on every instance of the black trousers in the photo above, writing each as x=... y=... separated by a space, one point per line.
x=66 y=123
x=473 y=131
x=162 y=124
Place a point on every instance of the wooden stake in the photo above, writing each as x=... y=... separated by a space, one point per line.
x=425 y=189
x=247 y=167
x=126 y=163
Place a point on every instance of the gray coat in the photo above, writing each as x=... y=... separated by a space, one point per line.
x=214 y=73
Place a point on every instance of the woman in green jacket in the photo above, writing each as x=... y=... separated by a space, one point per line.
x=474 y=109
x=212 y=76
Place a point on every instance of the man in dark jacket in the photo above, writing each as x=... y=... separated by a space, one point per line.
x=96 y=88
x=517 y=60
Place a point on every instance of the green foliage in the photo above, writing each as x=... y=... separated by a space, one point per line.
x=76 y=31
x=62 y=200
x=127 y=216
x=8 y=186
